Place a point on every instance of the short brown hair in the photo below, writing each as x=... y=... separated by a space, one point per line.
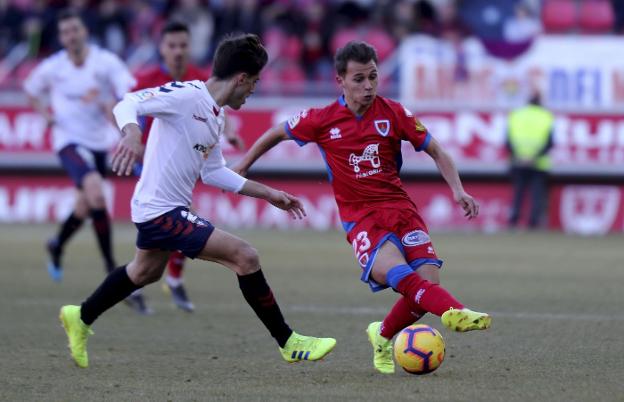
x=240 y=53
x=358 y=51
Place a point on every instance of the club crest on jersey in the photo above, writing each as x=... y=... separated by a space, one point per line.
x=415 y=238
x=382 y=127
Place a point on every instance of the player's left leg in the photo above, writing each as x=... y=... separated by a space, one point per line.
x=146 y=267
x=93 y=189
x=240 y=257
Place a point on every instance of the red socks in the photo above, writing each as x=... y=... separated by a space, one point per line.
x=425 y=295
x=175 y=265
x=400 y=317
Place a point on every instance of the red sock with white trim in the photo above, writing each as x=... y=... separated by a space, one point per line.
x=175 y=265
x=400 y=316
x=425 y=295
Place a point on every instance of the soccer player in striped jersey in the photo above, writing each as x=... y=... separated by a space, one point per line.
x=183 y=146
x=360 y=136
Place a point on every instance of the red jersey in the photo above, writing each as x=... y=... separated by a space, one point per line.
x=362 y=153
x=159 y=75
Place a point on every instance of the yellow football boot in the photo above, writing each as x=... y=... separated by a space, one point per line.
x=77 y=333
x=463 y=320
x=300 y=347
x=382 y=349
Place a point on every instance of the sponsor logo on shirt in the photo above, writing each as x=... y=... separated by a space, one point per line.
x=382 y=127
x=334 y=133
x=415 y=238
x=204 y=149
x=202 y=119
x=370 y=154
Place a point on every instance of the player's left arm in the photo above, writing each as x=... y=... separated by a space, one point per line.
x=215 y=173
x=447 y=168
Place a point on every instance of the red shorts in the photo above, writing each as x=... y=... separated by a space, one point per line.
x=403 y=227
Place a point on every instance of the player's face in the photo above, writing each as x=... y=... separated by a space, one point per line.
x=359 y=83
x=245 y=86
x=174 y=49
x=72 y=34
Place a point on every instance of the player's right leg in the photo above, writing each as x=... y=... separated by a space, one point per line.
x=423 y=294
x=67 y=229
x=240 y=257
x=146 y=267
x=174 y=281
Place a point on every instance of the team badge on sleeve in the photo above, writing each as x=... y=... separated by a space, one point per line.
x=382 y=127
x=419 y=125
x=294 y=120
x=144 y=95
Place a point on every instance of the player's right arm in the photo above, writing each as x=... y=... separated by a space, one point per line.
x=302 y=128
x=165 y=102
x=36 y=85
x=268 y=140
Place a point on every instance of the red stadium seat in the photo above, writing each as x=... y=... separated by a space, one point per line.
x=559 y=15
x=596 y=16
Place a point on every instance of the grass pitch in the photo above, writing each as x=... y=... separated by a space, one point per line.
x=556 y=301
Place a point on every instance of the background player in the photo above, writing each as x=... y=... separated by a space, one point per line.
x=183 y=145
x=360 y=137
x=83 y=81
x=174 y=50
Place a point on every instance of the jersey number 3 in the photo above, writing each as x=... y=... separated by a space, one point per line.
x=361 y=244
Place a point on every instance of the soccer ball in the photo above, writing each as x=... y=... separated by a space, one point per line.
x=419 y=349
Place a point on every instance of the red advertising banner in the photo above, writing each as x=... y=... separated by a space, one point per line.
x=582 y=209
x=584 y=143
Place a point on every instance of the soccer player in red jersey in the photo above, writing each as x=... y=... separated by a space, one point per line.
x=360 y=137
x=174 y=49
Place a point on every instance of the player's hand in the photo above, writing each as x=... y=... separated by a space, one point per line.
x=468 y=204
x=288 y=203
x=236 y=141
x=128 y=151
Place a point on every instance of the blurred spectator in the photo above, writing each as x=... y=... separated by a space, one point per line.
x=402 y=21
x=523 y=26
x=618 y=11
x=111 y=27
x=11 y=19
x=301 y=34
x=426 y=17
x=318 y=29
x=201 y=23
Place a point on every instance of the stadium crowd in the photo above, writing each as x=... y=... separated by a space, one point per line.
x=301 y=35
